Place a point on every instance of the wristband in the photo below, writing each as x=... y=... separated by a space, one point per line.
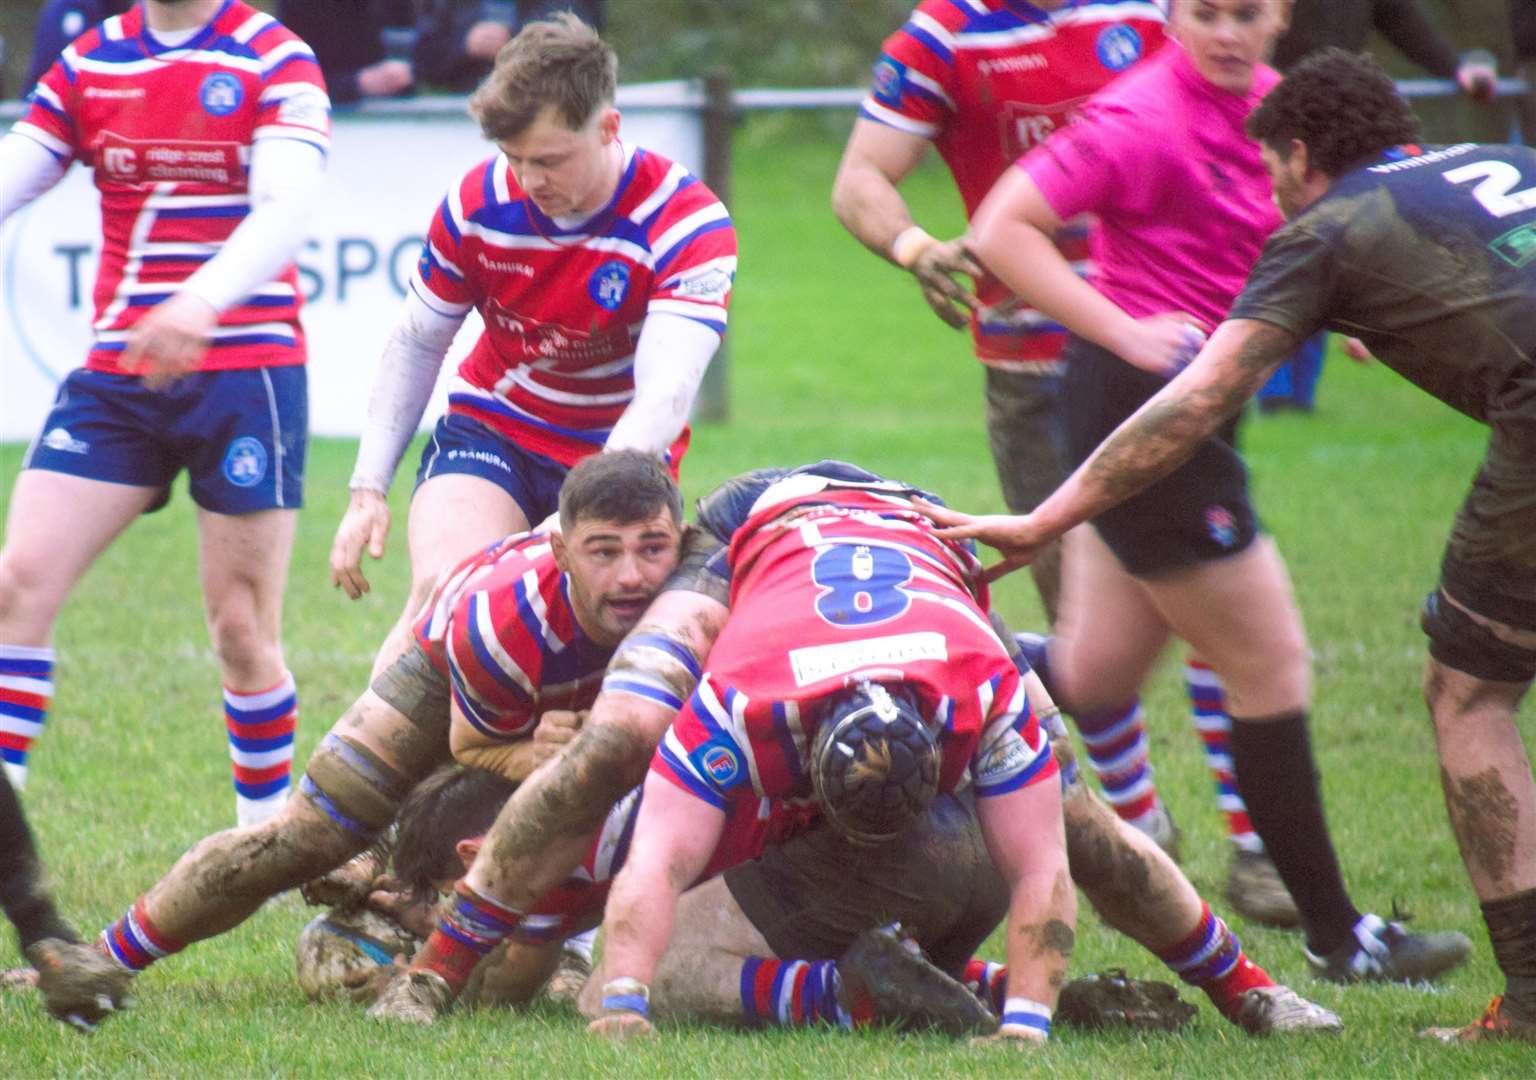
x=627 y=995
x=1022 y=1013
x=909 y=244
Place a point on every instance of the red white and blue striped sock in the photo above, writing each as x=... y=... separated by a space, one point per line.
x=134 y=942
x=1119 y=755
x=987 y=981
x=26 y=690
x=791 y=993
x=260 y=728
x=1212 y=958
x=1209 y=704
x=471 y=925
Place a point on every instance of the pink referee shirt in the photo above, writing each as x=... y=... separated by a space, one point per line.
x=1181 y=194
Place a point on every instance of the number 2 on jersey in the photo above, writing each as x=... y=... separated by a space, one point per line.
x=860 y=584
x=1496 y=192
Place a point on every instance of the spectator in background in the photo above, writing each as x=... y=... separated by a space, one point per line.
x=59 y=23
x=457 y=40
x=1317 y=24
x=364 y=46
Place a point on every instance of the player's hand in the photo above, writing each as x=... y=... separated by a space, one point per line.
x=1478 y=75
x=556 y=729
x=485 y=39
x=936 y=269
x=622 y=1025
x=170 y=339
x=364 y=525
x=1016 y=538
x=1356 y=350
x=385 y=79
x=415 y=912
x=80 y=985
x=1021 y=1038
x=1163 y=344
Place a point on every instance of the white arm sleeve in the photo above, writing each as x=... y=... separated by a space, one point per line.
x=413 y=355
x=27 y=169
x=670 y=360
x=285 y=174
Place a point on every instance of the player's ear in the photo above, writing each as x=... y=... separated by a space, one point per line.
x=467 y=849
x=608 y=124
x=1299 y=160
x=561 y=553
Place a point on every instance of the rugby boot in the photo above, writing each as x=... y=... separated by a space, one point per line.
x=882 y=981
x=1385 y=952
x=570 y=976
x=418 y=997
x=80 y=983
x=1255 y=891
x=1159 y=825
x=1275 y=1010
x=1501 y=1020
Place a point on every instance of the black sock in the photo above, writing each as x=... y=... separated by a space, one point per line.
x=1512 y=930
x=23 y=894
x=1272 y=762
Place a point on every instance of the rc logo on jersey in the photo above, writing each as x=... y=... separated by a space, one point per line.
x=245 y=462
x=221 y=93
x=1222 y=526
x=717 y=760
x=609 y=284
x=888 y=77
x=1118 y=47
x=1517 y=247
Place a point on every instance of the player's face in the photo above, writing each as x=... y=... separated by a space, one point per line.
x=564 y=171
x=1227 y=39
x=1288 y=178
x=616 y=570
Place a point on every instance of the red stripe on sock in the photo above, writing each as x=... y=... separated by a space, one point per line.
x=269 y=729
x=244 y=775
x=15 y=742
x=762 y=990
x=797 y=995
x=1133 y=810
x=24 y=699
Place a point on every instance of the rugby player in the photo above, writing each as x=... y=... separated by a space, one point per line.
x=985 y=83
x=40 y=929
x=206 y=126
x=549 y=826
x=602 y=272
x=1430 y=259
x=544 y=610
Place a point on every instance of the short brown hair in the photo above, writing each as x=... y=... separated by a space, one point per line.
x=623 y=486
x=558 y=61
x=452 y=804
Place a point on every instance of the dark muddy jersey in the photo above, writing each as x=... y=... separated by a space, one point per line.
x=1430 y=259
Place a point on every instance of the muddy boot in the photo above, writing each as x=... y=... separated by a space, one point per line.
x=418 y=997
x=884 y=982
x=80 y=984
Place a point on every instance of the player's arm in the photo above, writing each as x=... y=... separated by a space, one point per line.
x=513 y=758
x=866 y=200
x=1026 y=839
x=408 y=370
x=285 y=175
x=671 y=357
x=27 y=170
x=1147 y=446
x=674 y=837
x=1011 y=235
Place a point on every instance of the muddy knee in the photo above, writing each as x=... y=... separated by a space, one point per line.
x=353 y=787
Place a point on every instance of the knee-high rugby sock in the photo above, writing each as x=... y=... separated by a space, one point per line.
x=791 y=992
x=471 y=925
x=1119 y=756
x=988 y=981
x=1212 y=958
x=261 y=727
x=1272 y=763
x=26 y=690
x=1512 y=930
x=1208 y=702
x=135 y=942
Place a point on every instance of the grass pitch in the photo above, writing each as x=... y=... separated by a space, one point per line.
x=832 y=354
